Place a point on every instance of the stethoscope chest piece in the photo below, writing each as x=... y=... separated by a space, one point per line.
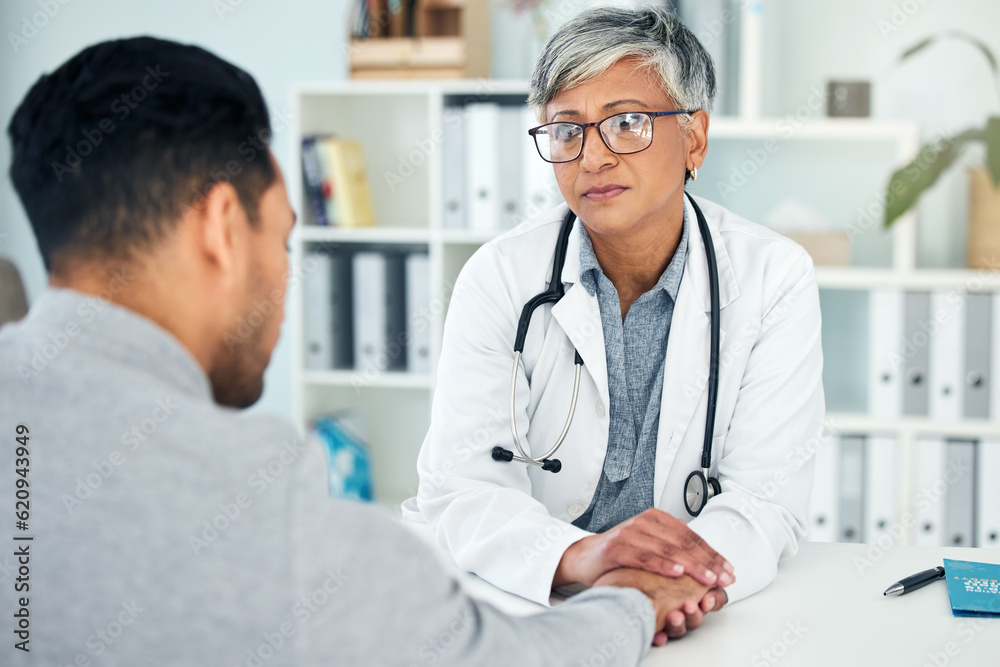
x=698 y=489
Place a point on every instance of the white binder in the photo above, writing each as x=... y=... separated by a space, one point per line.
x=379 y=311
x=713 y=19
x=851 y=487
x=885 y=363
x=947 y=381
x=823 y=498
x=318 y=310
x=928 y=492
x=978 y=337
x=541 y=193
x=482 y=162
x=915 y=348
x=960 y=499
x=881 y=500
x=995 y=361
x=512 y=143
x=418 y=316
x=369 y=312
x=988 y=493
x=453 y=169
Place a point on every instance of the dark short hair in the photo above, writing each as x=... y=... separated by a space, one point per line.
x=110 y=149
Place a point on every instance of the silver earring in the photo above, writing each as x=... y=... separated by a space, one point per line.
x=694 y=173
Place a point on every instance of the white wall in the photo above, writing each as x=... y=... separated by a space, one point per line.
x=277 y=42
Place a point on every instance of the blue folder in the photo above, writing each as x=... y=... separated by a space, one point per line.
x=974 y=588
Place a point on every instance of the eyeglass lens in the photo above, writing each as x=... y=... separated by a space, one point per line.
x=623 y=133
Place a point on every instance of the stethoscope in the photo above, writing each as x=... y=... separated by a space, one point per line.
x=700 y=485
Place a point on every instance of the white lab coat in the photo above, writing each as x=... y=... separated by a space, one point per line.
x=510 y=522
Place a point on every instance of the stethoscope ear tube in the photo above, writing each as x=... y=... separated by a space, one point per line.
x=552 y=294
x=701 y=486
x=554 y=291
x=544 y=462
x=713 y=360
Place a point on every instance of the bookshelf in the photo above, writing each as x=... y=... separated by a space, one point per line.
x=397 y=123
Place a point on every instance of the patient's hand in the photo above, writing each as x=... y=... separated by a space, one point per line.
x=690 y=616
x=681 y=598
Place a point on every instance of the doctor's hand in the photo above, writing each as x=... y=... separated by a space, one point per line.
x=654 y=541
x=677 y=601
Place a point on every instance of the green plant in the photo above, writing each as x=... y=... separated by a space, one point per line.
x=909 y=182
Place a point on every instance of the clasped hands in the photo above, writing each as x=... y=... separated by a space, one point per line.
x=661 y=556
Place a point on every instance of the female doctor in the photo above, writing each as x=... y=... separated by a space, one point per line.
x=623 y=98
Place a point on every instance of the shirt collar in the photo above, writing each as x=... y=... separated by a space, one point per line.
x=120 y=334
x=670 y=279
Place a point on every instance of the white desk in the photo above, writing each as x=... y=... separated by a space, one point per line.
x=826 y=608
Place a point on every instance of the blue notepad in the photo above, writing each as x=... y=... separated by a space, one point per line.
x=974 y=588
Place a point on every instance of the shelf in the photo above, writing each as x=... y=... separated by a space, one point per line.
x=486 y=87
x=843 y=277
x=841 y=422
x=409 y=52
x=788 y=127
x=363 y=234
x=385 y=379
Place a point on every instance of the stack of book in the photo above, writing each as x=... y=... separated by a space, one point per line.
x=336 y=182
x=420 y=39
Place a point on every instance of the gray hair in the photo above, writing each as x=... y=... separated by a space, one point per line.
x=589 y=44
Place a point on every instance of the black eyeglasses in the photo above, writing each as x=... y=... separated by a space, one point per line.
x=623 y=133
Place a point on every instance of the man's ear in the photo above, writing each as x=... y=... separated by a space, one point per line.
x=221 y=226
x=697 y=139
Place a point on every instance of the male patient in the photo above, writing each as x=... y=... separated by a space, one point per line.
x=160 y=525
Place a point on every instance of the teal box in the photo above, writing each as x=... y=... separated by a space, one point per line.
x=349 y=461
x=974 y=588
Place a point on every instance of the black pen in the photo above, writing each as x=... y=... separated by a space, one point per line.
x=915 y=581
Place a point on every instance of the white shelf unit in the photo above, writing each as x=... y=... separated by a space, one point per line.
x=392 y=120
x=900 y=271
x=904 y=136
x=836 y=277
x=395 y=123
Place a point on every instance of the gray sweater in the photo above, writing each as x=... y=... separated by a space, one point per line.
x=168 y=530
